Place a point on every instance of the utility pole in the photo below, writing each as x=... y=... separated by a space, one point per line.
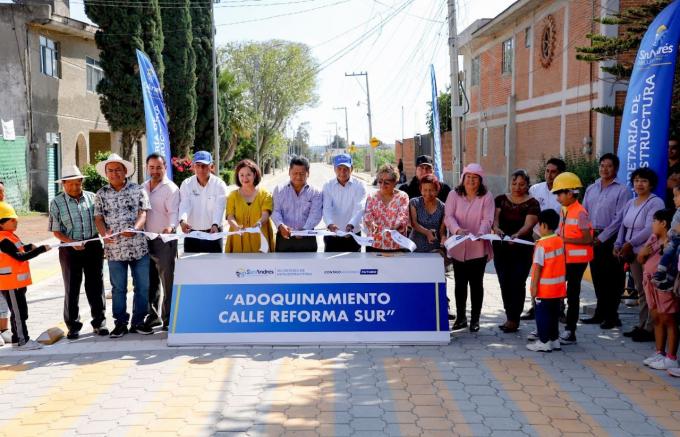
x=216 y=138
x=370 y=125
x=346 y=125
x=456 y=144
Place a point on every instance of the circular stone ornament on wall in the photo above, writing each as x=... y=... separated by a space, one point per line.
x=548 y=41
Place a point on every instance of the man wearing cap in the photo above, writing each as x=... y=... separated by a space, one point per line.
x=297 y=206
x=160 y=219
x=71 y=220
x=203 y=199
x=119 y=208
x=343 y=205
x=424 y=167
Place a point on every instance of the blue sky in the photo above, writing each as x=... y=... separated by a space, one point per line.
x=397 y=54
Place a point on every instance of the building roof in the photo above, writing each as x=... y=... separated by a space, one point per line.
x=489 y=26
x=66 y=25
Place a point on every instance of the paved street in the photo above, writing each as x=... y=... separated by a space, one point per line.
x=480 y=384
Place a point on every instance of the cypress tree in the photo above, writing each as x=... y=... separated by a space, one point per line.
x=120 y=32
x=180 y=76
x=201 y=24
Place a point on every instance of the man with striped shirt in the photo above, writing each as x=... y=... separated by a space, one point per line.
x=71 y=220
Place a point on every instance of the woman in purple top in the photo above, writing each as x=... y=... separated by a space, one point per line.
x=469 y=210
x=635 y=229
x=516 y=215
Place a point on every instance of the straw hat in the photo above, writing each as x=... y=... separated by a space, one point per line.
x=114 y=157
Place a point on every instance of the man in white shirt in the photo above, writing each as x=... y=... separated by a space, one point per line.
x=343 y=206
x=547 y=200
x=202 y=205
x=160 y=219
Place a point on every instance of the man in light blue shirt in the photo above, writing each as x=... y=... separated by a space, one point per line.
x=297 y=206
x=343 y=206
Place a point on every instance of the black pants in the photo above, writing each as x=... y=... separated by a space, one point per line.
x=16 y=301
x=161 y=273
x=195 y=245
x=608 y=281
x=341 y=244
x=548 y=318
x=574 y=277
x=75 y=264
x=295 y=244
x=512 y=263
x=469 y=272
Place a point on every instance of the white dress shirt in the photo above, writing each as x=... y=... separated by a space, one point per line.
x=545 y=198
x=164 y=205
x=201 y=207
x=343 y=205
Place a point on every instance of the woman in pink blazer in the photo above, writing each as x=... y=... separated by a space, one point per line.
x=469 y=211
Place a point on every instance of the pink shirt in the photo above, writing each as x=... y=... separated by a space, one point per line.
x=164 y=205
x=380 y=217
x=476 y=217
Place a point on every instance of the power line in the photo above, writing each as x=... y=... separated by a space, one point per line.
x=191 y=5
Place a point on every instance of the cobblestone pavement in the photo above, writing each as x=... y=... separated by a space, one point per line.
x=480 y=384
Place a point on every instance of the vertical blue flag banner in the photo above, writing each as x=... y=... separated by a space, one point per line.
x=643 y=140
x=154 y=111
x=436 y=132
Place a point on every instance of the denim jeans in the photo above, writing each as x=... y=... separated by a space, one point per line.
x=140 y=279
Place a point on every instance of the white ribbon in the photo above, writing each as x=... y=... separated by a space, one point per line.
x=361 y=241
x=455 y=240
x=264 y=247
x=402 y=241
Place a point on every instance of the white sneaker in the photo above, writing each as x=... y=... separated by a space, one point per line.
x=568 y=337
x=556 y=345
x=664 y=363
x=30 y=345
x=539 y=346
x=533 y=335
x=649 y=360
x=675 y=371
x=6 y=336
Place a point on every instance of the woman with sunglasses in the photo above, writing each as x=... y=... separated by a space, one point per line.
x=386 y=209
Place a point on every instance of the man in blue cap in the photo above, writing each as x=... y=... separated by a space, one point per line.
x=343 y=205
x=203 y=199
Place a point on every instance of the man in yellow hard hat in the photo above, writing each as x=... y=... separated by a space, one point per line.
x=576 y=231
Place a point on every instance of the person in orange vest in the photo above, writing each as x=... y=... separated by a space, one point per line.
x=577 y=233
x=15 y=275
x=548 y=283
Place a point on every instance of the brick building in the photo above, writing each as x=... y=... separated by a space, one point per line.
x=529 y=96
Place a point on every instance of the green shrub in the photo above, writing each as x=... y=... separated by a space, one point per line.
x=227 y=176
x=93 y=180
x=586 y=168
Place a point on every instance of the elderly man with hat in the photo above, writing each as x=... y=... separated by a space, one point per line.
x=343 y=205
x=119 y=210
x=424 y=167
x=71 y=220
x=203 y=199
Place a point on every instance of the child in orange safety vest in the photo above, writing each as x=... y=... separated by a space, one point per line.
x=548 y=283
x=576 y=231
x=15 y=275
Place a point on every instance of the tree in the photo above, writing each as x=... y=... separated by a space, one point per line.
x=281 y=79
x=617 y=53
x=180 y=75
x=236 y=116
x=444 y=107
x=338 y=142
x=299 y=145
x=121 y=30
x=201 y=24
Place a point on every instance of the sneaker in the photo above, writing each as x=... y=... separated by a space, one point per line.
x=649 y=360
x=30 y=345
x=101 y=331
x=567 y=337
x=143 y=329
x=556 y=345
x=675 y=371
x=73 y=335
x=119 y=331
x=664 y=363
x=533 y=336
x=539 y=346
x=153 y=322
x=6 y=336
x=2 y=341
x=460 y=324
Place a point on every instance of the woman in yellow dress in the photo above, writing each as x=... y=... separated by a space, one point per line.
x=247 y=207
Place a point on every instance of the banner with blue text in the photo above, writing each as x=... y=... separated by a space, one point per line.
x=154 y=112
x=643 y=140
